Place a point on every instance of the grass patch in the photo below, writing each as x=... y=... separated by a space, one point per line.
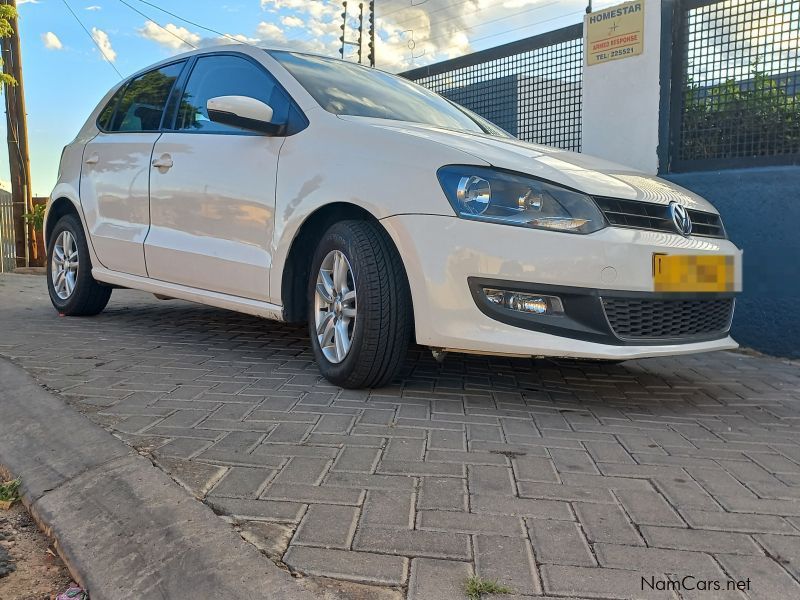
x=477 y=586
x=9 y=491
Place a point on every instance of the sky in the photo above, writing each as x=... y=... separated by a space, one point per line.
x=67 y=70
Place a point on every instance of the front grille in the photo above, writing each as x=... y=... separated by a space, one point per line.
x=645 y=215
x=642 y=319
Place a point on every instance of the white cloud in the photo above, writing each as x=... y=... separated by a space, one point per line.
x=51 y=41
x=93 y=7
x=21 y=2
x=103 y=41
x=292 y=21
x=172 y=36
x=269 y=32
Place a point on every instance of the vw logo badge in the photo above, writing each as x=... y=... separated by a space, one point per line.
x=681 y=219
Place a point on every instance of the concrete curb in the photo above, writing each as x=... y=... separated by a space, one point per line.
x=123 y=527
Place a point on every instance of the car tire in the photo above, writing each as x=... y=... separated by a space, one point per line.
x=366 y=307
x=73 y=290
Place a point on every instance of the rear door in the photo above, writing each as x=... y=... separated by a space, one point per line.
x=115 y=177
x=212 y=201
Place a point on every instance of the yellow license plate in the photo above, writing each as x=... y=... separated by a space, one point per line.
x=690 y=273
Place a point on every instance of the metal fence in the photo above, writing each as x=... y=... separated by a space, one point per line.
x=532 y=88
x=736 y=79
x=7 y=246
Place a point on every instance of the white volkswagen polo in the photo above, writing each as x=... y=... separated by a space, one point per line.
x=301 y=188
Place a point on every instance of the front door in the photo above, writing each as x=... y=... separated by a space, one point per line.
x=212 y=189
x=116 y=168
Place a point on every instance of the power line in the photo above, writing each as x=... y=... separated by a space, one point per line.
x=486 y=37
x=157 y=24
x=91 y=37
x=172 y=14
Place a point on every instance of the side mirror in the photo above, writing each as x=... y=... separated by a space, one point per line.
x=243 y=112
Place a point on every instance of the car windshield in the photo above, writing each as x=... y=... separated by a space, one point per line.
x=345 y=88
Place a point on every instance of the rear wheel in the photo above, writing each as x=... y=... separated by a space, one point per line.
x=73 y=290
x=360 y=317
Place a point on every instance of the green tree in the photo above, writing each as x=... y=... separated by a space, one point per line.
x=731 y=119
x=7 y=13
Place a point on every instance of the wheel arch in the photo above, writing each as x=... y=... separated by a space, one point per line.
x=58 y=208
x=297 y=266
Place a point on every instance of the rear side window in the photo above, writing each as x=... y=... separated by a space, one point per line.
x=214 y=76
x=142 y=104
x=104 y=119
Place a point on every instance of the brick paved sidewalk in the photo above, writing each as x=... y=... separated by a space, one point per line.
x=558 y=479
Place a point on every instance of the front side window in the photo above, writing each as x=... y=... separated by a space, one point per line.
x=345 y=88
x=226 y=75
x=142 y=104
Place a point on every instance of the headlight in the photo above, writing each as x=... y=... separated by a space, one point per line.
x=486 y=194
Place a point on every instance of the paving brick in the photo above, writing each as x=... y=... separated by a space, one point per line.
x=343 y=564
x=607 y=523
x=682 y=492
x=334 y=424
x=303 y=470
x=422 y=469
x=491 y=480
x=298 y=492
x=597 y=583
x=439 y=493
x=183 y=447
x=446 y=440
x=327 y=526
x=531 y=468
x=648 y=508
x=388 y=508
x=568 y=493
x=404 y=449
x=357 y=460
x=433 y=544
x=507 y=560
x=724 y=521
x=468 y=458
x=436 y=520
x=699 y=540
x=242 y=482
x=573 y=461
x=784 y=549
x=657 y=560
x=184 y=418
x=439 y=579
x=559 y=542
x=520 y=507
x=288 y=432
x=369 y=482
x=608 y=452
x=283 y=512
x=767 y=579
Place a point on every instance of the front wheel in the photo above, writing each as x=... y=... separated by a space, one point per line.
x=73 y=290
x=360 y=317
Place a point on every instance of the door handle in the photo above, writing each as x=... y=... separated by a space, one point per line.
x=93 y=159
x=164 y=162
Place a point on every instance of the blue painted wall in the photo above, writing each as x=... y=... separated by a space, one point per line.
x=761 y=211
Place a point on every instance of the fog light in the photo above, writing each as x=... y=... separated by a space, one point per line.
x=537 y=304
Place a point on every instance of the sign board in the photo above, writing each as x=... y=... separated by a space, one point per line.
x=615 y=32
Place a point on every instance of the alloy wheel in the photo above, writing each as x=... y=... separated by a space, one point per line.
x=64 y=265
x=335 y=306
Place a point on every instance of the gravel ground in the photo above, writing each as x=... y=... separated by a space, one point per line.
x=36 y=572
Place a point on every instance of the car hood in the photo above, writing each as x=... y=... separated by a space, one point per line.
x=588 y=174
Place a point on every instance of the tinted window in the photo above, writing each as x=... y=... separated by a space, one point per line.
x=104 y=119
x=142 y=104
x=345 y=88
x=214 y=76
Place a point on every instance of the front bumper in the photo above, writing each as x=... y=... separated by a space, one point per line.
x=442 y=255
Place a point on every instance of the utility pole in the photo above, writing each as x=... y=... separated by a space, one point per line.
x=17 y=126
